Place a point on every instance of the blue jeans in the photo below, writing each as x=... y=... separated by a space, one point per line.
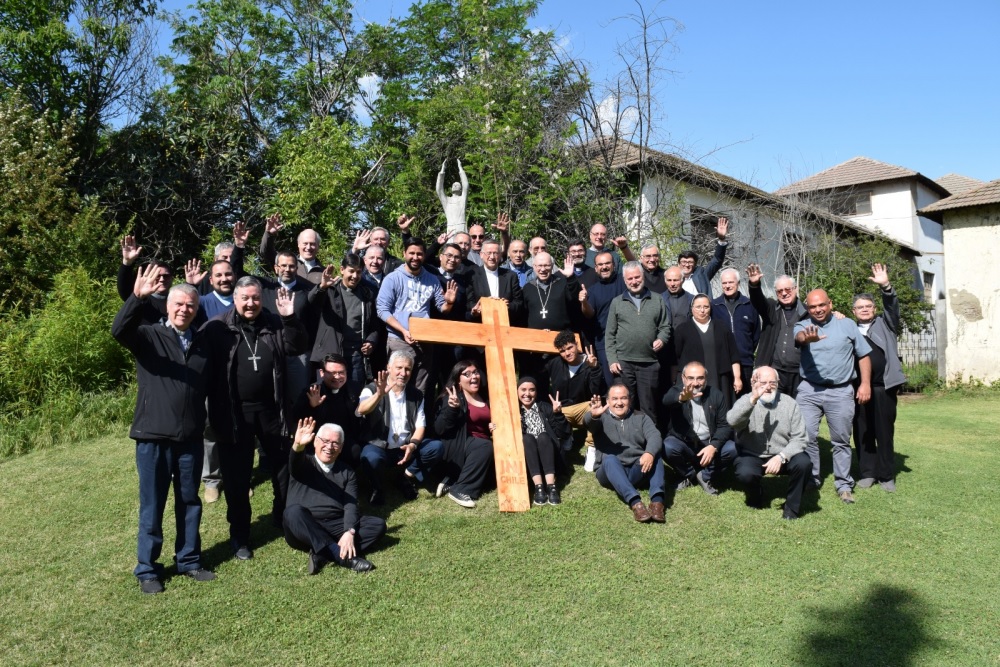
x=157 y=463
x=684 y=459
x=837 y=403
x=374 y=457
x=624 y=479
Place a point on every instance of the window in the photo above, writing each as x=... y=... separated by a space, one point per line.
x=703 y=238
x=793 y=247
x=852 y=203
x=928 y=287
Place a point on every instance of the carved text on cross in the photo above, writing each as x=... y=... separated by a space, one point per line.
x=499 y=340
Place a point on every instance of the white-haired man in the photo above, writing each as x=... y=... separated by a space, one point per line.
x=735 y=310
x=776 y=345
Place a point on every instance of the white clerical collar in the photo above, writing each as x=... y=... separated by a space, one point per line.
x=289 y=286
x=324 y=466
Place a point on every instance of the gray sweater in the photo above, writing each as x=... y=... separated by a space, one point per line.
x=630 y=331
x=627 y=438
x=768 y=431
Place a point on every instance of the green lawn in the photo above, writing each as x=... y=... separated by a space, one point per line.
x=903 y=579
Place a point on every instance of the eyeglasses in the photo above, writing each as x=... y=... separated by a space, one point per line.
x=327 y=441
x=470 y=374
x=477 y=236
x=784 y=290
x=451 y=255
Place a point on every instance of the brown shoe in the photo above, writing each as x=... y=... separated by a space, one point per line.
x=640 y=513
x=657 y=512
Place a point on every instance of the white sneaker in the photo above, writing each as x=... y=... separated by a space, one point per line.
x=591 y=460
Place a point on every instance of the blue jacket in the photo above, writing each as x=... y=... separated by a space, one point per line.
x=702 y=275
x=744 y=323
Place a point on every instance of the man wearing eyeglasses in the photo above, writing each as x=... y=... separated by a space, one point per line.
x=770 y=439
x=776 y=347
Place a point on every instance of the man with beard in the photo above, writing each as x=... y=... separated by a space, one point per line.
x=409 y=292
x=699 y=443
x=576 y=263
x=739 y=315
x=331 y=400
x=649 y=256
x=220 y=299
x=172 y=370
x=322 y=514
x=154 y=308
x=776 y=346
x=770 y=439
x=516 y=262
x=638 y=328
x=347 y=321
x=248 y=400
x=226 y=251
x=628 y=453
x=608 y=287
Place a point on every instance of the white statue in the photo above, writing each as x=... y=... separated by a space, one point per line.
x=454 y=204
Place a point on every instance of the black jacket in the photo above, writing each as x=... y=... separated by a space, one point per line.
x=329 y=496
x=170 y=404
x=152 y=309
x=572 y=390
x=555 y=422
x=679 y=423
x=509 y=287
x=770 y=314
x=285 y=336
x=333 y=317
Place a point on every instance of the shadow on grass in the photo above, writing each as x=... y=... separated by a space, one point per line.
x=887 y=627
x=262 y=532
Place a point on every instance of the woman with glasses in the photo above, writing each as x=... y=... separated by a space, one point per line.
x=463 y=422
x=702 y=340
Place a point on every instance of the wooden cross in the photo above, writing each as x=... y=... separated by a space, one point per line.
x=499 y=339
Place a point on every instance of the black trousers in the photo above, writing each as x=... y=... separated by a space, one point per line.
x=788 y=382
x=643 y=380
x=305 y=532
x=467 y=464
x=874 y=431
x=236 y=463
x=540 y=454
x=749 y=470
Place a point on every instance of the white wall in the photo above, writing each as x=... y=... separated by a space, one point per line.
x=972 y=249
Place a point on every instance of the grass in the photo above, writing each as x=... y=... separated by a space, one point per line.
x=896 y=579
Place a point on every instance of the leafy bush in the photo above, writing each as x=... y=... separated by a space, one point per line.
x=921 y=377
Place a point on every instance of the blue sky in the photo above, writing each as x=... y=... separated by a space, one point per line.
x=770 y=92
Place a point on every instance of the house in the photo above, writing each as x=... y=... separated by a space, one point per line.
x=765 y=228
x=886 y=198
x=971 y=234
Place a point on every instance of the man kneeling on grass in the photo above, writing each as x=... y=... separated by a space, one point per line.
x=321 y=514
x=771 y=439
x=628 y=448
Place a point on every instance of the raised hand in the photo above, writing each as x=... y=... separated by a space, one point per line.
x=382 y=382
x=502 y=223
x=592 y=360
x=130 y=251
x=443 y=238
x=451 y=292
x=329 y=279
x=193 y=273
x=568 y=267
x=273 y=224
x=284 y=304
x=583 y=293
x=754 y=274
x=241 y=232
x=722 y=228
x=620 y=242
x=443 y=165
x=146 y=280
x=812 y=334
x=556 y=404
x=880 y=275
x=453 y=401
x=596 y=407
x=305 y=432
x=315 y=397
x=404 y=222
x=688 y=393
x=362 y=240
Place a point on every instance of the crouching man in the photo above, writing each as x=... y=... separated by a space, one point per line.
x=321 y=514
x=770 y=439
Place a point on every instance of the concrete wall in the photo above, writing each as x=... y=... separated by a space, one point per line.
x=972 y=249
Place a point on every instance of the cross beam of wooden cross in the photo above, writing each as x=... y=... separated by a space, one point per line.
x=499 y=340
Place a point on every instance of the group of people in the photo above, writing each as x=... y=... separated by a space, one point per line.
x=317 y=367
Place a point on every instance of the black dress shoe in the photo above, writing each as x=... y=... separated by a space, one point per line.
x=201 y=574
x=243 y=553
x=150 y=586
x=408 y=488
x=358 y=564
x=316 y=563
x=377 y=498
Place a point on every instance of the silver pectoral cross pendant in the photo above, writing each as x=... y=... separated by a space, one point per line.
x=543 y=311
x=254 y=359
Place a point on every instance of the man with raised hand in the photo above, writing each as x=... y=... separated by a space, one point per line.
x=226 y=251
x=699 y=443
x=830 y=346
x=638 y=328
x=609 y=286
x=875 y=421
x=249 y=399
x=776 y=347
x=173 y=368
x=155 y=307
x=576 y=377
x=322 y=513
x=379 y=237
x=598 y=244
x=628 y=453
x=308 y=242
x=408 y=292
x=333 y=400
x=771 y=440
x=698 y=279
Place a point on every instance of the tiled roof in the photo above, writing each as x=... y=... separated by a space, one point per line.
x=988 y=193
x=956 y=184
x=621 y=154
x=857 y=171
